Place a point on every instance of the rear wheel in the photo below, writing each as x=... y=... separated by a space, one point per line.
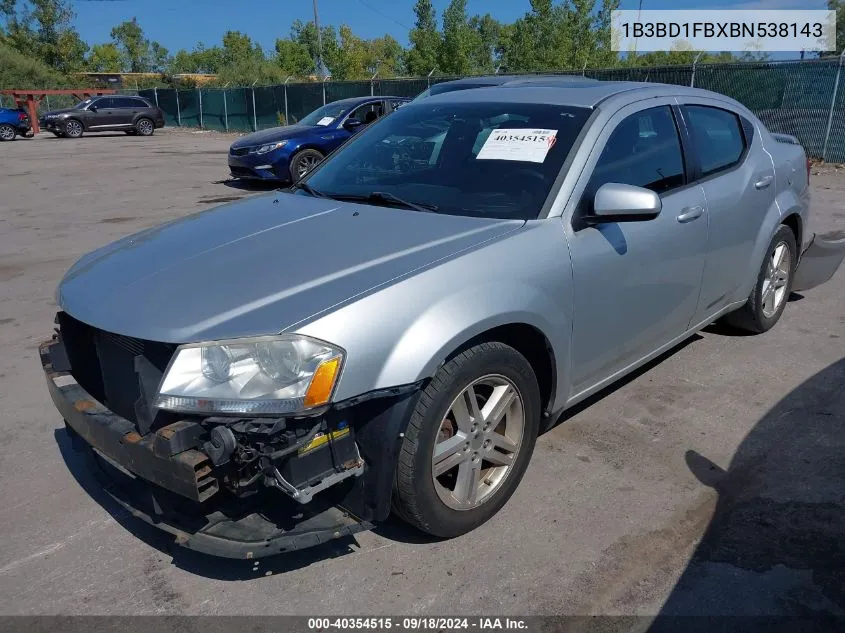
x=145 y=127
x=469 y=441
x=768 y=299
x=7 y=132
x=303 y=162
x=73 y=128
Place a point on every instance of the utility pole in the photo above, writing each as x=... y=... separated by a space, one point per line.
x=320 y=67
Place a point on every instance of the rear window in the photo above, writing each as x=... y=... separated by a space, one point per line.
x=717 y=135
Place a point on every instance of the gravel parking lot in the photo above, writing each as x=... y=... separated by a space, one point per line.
x=721 y=465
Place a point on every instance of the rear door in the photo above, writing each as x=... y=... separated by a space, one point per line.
x=737 y=176
x=126 y=109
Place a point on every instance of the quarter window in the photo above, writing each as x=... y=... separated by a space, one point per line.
x=717 y=137
x=644 y=150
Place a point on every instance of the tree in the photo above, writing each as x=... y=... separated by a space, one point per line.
x=138 y=54
x=242 y=61
x=425 y=40
x=487 y=50
x=387 y=56
x=839 y=7
x=293 y=58
x=460 y=40
x=199 y=60
x=104 y=58
x=42 y=29
x=305 y=33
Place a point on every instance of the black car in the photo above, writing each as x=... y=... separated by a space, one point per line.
x=133 y=115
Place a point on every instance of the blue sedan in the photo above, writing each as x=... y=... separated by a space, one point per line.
x=287 y=153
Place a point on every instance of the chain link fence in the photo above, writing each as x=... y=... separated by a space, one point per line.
x=803 y=98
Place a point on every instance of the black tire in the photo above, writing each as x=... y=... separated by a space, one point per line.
x=302 y=162
x=752 y=316
x=145 y=127
x=7 y=133
x=73 y=128
x=415 y=499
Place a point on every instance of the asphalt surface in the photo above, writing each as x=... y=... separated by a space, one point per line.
x=712 y=481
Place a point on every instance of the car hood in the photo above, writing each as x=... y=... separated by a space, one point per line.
x=58 y=112
x=271 y=135
x=259 y=266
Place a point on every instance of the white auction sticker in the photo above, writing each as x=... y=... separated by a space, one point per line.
x=518 y=144
x=325 y=120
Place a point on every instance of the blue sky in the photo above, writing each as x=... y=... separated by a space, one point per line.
x=183 y=23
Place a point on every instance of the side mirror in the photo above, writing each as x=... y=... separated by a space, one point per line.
x=615 y=202
x=92 y=108
x=352 y=124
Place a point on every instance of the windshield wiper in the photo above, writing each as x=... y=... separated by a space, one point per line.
x=385 y=197
x=309 y=189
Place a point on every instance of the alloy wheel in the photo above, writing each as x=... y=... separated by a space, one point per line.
x=7 y=132
x=776 y=280
x=145 y=127
x=306 y=164
x=477 y=442
x=73 y=128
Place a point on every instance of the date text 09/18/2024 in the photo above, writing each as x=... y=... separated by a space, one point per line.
x=418 y=623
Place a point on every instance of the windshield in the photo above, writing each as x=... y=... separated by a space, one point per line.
x=496 y=160
x=83 y=104
x=324 y=116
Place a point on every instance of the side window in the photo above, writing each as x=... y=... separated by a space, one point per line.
x=368 y=112
x=104 y=103
x=128 y=102
x=717 y=136
x=644 y=150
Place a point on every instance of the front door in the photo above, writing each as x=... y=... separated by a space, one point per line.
x=105 y=116
x=635 y=284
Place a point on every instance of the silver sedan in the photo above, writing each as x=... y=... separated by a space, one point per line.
x=394 y=331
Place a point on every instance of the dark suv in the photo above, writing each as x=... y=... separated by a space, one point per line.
x=133 y=115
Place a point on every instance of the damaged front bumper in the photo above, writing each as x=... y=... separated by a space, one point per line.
x=820 y=260
x=169 y=479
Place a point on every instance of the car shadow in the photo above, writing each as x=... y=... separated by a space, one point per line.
x=722 y=328
x=774 y=549
x=191 y=561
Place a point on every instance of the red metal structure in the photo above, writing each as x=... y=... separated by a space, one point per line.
x=29 y=98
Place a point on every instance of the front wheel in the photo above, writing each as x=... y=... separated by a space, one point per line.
x=768 y=299
x=303 y=162
x=73 y=128
x=7 y=133
x=468 y=441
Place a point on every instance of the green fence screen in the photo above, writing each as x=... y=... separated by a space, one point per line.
x=791 y=97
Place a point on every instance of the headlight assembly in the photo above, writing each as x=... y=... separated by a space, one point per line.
x=267 y=375
x=269 y=147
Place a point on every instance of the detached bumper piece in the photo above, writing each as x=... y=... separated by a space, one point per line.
x=820 y=260
x=177 y=479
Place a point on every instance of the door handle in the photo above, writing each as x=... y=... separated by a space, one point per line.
x=763 y=183
x=690 y=213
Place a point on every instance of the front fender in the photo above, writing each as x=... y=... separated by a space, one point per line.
x=458 y=318
x=401 y=334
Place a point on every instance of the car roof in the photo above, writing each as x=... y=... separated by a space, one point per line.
x=357 y=100
x=571 y=91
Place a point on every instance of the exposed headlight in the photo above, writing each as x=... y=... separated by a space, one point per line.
x=269 y=147
x=267 y=375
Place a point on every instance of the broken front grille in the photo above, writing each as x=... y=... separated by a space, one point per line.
x=120 y=371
